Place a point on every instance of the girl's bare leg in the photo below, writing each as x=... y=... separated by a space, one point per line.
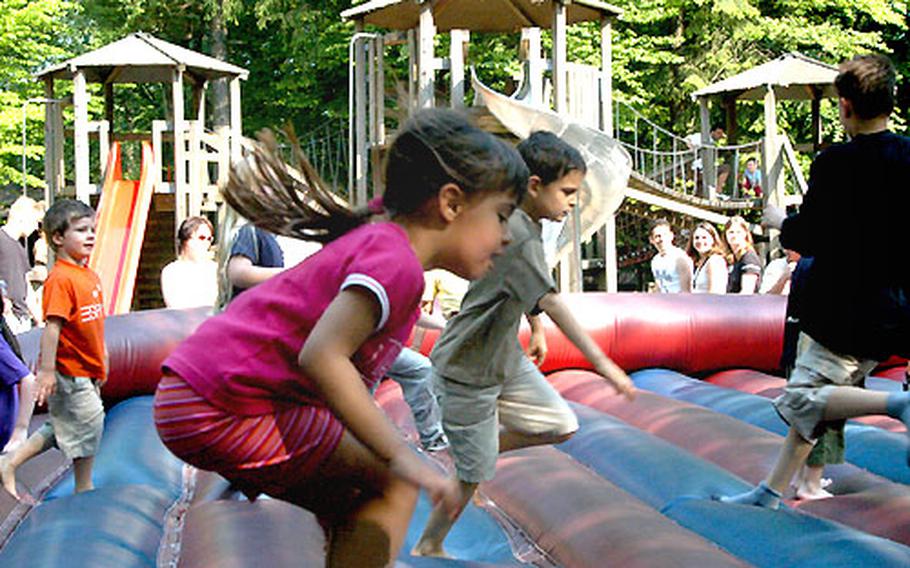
x=373 y=533
x=26 y=407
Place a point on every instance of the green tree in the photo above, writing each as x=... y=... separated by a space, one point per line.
x=33 y=33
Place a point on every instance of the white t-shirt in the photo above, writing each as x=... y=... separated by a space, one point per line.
x=664 y=267
x=718 y=265
x=187 y=284
x=775 y=270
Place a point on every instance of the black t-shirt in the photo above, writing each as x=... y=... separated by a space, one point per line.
x=260 y=247
x=748 y=263
x=853 y=222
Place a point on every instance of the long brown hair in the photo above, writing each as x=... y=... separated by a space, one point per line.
x=719 y=246
x=750 y=245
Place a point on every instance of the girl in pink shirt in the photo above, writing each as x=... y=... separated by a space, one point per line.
x=273 y=394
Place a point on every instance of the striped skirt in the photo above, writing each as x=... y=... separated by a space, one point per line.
x=271 y=453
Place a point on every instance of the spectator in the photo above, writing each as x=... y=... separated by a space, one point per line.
x=694 y=142
x=777 y=275
x=745 y=270
x=255 y=257
x=750 y=182
x=671 y=268
x=191 y=280
x=710 y=257
x=23 y=219
x=15 y=379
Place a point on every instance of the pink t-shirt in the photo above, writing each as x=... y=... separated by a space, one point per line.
x=245 y=359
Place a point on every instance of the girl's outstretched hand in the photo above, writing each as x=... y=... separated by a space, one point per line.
x=443 y=491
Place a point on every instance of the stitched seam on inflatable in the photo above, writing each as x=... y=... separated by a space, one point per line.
x=174 y=518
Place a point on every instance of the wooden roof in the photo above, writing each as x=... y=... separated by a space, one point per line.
x=141 y=58
x=793 y=76
x=477 y=15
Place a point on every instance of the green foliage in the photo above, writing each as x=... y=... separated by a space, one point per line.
x=297 y=50
x=33 y=33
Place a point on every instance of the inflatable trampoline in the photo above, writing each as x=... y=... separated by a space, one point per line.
x=631 y=488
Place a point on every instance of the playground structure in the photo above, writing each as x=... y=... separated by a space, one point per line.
x=669 y=171
x=631 y=488
x=184 y=158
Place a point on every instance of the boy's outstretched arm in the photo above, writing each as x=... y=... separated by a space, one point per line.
x=537 y=345
x=558 y=311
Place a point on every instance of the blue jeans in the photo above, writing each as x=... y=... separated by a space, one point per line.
x=414 y=374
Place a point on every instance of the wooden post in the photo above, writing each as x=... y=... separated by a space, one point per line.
x=412 y=71
x=425 y=57
x=51 y=159
x=80 y=135
x=732 y=122
x=816 y=118
x=109 y=108
x=530 y=42
x=610 y=265
x=606 y=82
x=236 y=122
x=372 y=91
x=379 y=101
x=180 y=187
x=772 y=164
x=459 y=39
x=158 y=126
x=706 y=153
x=104 y=147
x=360 y=159
x=199 y=101
x=559 y=56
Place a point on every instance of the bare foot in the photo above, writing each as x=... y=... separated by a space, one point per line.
x=423 y=548
x=8 y=476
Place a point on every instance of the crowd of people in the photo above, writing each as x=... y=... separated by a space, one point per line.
x=274 y=392
x=715 y=262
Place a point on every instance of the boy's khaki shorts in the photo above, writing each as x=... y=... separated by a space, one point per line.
x=817 y=372
x=76 y=417
x=471 y=417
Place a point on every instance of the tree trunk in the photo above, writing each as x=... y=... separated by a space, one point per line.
x=220 y=98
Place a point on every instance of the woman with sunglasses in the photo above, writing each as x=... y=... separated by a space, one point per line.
x=191 y=280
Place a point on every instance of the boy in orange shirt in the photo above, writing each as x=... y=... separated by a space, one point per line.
x=73 y=362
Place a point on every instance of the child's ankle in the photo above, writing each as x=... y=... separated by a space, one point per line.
x=761 y=495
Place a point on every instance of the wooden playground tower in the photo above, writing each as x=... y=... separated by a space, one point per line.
x=663 y=173
x=416 y=23
x=190 y=157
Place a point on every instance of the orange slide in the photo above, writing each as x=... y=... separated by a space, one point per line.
x=122 y=214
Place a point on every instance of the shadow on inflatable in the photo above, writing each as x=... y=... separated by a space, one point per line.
x=630 y=489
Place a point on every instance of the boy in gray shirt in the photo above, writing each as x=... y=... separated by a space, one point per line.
x=493 y=397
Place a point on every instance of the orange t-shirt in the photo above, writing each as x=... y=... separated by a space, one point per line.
x=73 y=293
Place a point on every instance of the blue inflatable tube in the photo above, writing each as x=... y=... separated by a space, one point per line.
x=679 y=485
x=877 y=450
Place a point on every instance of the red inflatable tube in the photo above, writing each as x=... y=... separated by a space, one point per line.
x=582 y=520
x=690 y=333
x=138 y=343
